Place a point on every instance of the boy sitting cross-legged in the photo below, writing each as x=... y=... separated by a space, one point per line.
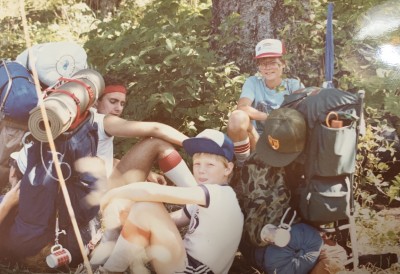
x=211 y=210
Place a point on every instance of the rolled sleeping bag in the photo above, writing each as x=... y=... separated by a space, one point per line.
x=65 y=103
x=298 y=257
x=54 y=60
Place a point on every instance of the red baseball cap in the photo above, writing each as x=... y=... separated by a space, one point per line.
x=269 y=48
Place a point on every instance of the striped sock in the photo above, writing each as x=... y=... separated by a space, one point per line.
x=242 y=151
x=176 y=170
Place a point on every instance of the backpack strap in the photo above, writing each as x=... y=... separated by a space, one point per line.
x=9 y=84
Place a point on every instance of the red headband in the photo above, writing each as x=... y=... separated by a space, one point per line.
x=114 y=88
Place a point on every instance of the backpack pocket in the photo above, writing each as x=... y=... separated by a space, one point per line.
x=332 y=150
x=325 y=199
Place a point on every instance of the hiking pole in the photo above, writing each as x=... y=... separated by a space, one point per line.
x=51 y=141
x=329 y=49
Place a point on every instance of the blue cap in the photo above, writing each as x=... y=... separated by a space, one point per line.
x=210 y=141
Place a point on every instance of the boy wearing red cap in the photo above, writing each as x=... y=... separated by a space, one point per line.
x=261 y=94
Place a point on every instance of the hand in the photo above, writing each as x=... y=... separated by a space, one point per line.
x=12 y=196
x=105 y=200
x=156 y=178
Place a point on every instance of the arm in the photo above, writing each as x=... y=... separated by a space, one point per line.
x=151 y=192
x=244 y=104
x=119 y=127
x=180 y=218
x=9 y=201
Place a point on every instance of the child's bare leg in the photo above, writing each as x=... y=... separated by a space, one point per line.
x=138 y=161
x=148 y=230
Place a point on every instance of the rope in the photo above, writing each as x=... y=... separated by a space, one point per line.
x=50 y=139
x=329 y=49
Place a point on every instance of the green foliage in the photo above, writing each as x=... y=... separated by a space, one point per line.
x=357 y=46
x=162 y=53
x=370 y=166
x=48 y=21
x=165 y=60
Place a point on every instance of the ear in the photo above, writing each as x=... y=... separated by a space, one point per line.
x=229 y=169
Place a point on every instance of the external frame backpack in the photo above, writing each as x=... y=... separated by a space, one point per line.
x=330 y=152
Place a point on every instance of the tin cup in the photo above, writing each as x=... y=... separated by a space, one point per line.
x=59 y=256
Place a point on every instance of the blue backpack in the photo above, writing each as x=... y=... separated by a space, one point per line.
x=17 y=92
x=41 y=198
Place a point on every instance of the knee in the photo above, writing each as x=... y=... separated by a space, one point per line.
x=144 y=209
x=113 y=214
x=238 y=121
x=157 y=145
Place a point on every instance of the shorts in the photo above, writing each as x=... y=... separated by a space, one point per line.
x=193 y=266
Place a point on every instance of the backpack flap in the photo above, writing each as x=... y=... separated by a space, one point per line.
x=325 y=199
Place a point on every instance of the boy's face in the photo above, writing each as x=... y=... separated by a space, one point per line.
x=270 y=67
x=210 y=169
x=112 y=103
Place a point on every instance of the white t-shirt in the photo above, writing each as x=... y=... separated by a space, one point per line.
x=105 y=148
x=215 y=229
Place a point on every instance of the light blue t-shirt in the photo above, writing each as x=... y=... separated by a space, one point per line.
x=265 y=99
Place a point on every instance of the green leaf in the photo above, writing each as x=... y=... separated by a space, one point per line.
x=170 y=44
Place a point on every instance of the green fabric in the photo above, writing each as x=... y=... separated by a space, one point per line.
x=263 y=196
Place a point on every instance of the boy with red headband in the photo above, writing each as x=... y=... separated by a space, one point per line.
x=112 y=101
x=109 y=107
x=157 y=144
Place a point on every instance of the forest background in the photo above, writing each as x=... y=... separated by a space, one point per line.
x=184 y=63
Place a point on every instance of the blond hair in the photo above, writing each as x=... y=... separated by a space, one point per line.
x=215 y=156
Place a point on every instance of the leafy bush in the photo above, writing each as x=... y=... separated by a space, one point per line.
x=377 y=161
x=48 y=21
x=165 y=60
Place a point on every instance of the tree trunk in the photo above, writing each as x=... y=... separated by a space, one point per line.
x=103 y=6
x=260 y=20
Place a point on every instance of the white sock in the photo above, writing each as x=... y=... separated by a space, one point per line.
x=176 y=170
x=126 y=254
x=242 y=151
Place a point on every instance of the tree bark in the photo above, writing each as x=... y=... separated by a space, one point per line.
x=258 y=23
x=103 y=6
